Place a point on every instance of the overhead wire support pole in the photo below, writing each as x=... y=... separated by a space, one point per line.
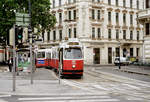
x=31 y=65
x=14 y=62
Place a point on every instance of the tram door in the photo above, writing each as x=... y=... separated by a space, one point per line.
x=61 y=58
x=96 y=55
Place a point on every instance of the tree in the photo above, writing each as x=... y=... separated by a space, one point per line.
x=40 y=13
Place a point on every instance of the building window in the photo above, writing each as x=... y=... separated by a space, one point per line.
x=93 y=33
x=98 y=32
x=147 y=28
x=124 y=19
x=131 y=52
x=117 y=3
x=109 y=2
x=131 y=3
x=60 y=35
x=74 y=14
x=59 y=2
x=54 y=35
x=147 y=3
x=137 y=4
x=69 y=33
x=131 y=35
x=117 y=18
x=109 y=16
x=124 y=34
x=60 y=18
x=98 y=14
x=48 y=36
x=109 y=33
x=137 y=52
x=69 y=1
x=137 y=16
x=117 y=34
x=93 y=14
x=69 y=15
x=138 y=34
x=53 y=3
x=75 y=33
x=131 y=19
x=124 y=3
x=74 y=1
x=117 y=52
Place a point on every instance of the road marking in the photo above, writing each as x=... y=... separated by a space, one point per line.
x=1 y=96
x=131 y=86
x=134 y=98
x=64 y=98
x=3 y=100
x=99 y=87
x=95 y=100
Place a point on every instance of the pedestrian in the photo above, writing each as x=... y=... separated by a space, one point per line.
x=10 y=64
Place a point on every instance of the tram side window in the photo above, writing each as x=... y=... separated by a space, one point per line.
x=41 y=55
x=73 y=53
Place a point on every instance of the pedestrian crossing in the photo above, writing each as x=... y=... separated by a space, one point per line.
x=70 y=98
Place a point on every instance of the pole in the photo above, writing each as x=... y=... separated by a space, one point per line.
x=119 y=56
x=14 y=62
x=30 y=44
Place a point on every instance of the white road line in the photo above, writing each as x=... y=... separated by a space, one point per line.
x=131 y=86
x=99 y=87
x=1 y=96
x=3 y=100
x=64 y=98
x=100 y=100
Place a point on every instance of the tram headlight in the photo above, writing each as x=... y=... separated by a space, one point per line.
x=73 y=66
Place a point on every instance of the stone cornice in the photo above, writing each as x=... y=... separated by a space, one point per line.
x=117 y=10
x=124 y=11
x=109 y=9
x=59 y=10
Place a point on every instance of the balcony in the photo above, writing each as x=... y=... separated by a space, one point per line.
x=144 y=15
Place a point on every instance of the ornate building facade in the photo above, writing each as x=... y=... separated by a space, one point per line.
x=144 y=19
x=106 y=28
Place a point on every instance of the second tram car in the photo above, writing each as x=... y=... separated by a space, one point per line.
x=43 y=58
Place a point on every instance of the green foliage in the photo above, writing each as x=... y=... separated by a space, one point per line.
x=40 y=13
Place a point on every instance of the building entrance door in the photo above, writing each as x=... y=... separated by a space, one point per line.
x=96 y=55
x=109 y=55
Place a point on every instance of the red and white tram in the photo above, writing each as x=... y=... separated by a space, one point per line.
x=43 y=58
x=69 y=57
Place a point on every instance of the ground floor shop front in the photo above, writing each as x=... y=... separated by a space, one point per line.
x=105 y=53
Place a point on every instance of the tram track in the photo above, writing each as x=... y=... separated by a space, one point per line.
x=136 y=93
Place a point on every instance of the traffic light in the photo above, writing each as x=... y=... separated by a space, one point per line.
x=18 y=35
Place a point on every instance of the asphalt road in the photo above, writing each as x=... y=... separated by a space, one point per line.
x=116 y=71
x=96 y=86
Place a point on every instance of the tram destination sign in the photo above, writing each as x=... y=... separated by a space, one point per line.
x=22 y=19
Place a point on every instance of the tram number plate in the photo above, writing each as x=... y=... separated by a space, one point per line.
x=40 y=62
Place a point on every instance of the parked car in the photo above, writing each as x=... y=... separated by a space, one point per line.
x=123 y=61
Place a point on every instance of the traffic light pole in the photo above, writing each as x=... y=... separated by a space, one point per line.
x=14 y=62
x=30 y=44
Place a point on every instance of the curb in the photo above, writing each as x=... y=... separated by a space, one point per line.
x=128 y=71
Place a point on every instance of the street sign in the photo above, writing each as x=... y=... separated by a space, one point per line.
x=22 y=19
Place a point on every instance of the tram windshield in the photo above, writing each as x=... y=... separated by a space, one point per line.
x=73 y=53
x=41 y=55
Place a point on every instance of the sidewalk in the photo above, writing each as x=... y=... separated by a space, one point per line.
x=142 y=70
x=40 y=86
x=135 y=69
